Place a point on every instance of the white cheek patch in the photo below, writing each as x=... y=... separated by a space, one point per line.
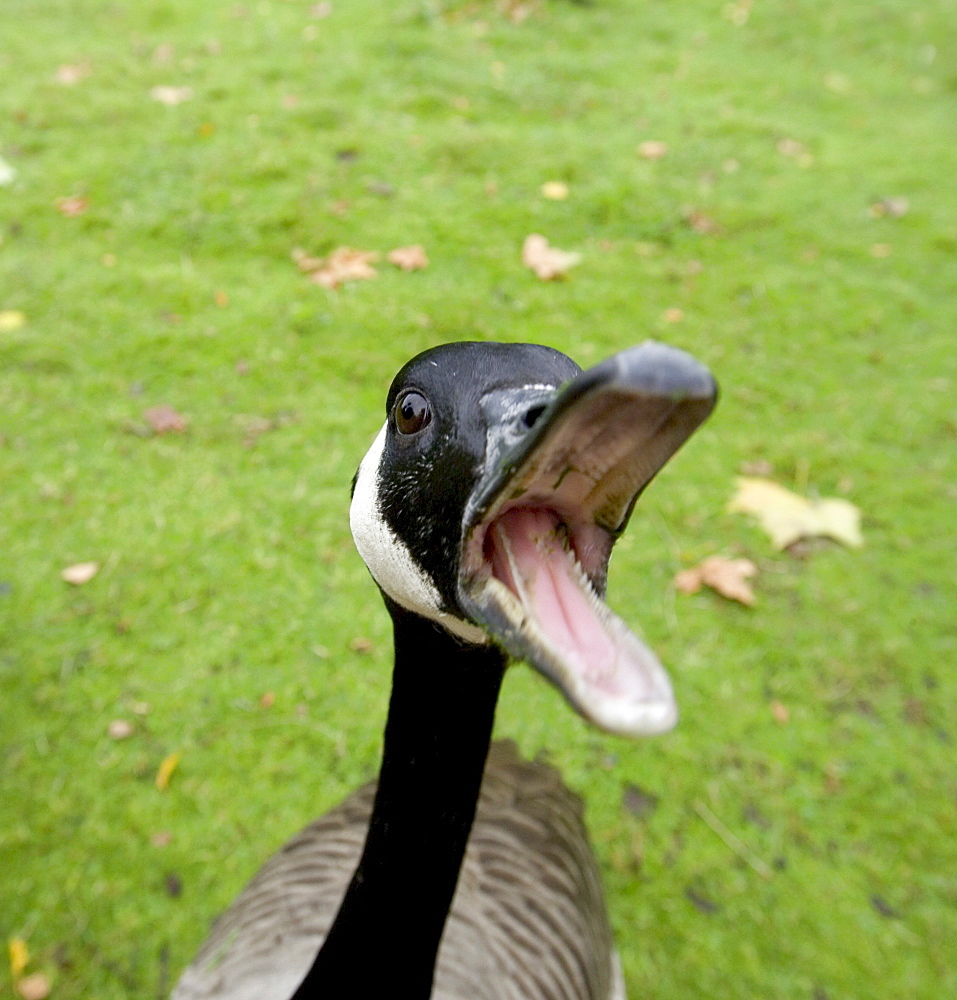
x=390 y=562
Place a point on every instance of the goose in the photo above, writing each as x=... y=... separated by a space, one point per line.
x=486 y=510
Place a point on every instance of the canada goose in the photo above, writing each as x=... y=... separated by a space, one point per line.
x=486 y=511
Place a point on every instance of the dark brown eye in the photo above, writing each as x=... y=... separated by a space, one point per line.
x=412 y=413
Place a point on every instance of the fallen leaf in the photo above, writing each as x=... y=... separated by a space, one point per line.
x=546 y=261
x=342 y=265
x=221 y=299
x=555 y=190
x=164 y=419
x=652 y=149
x=893 y=208
x=8 y=173
x=788 y=517
x=80 y=573
x=728 y=577
x=361 y=645
x=780 y=712
x=34 y=987
x=72 y=206
x=71 y=74
x=267 y=699
x=673 y=315
x=19 y=955
x=171 y=96
x=11 y=319
x=120 y=729
x=166 y=769
x=639 y=802
x=410 y=258
x=702 y=223
x=162 y=838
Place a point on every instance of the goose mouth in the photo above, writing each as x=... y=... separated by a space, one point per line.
x=554 y=497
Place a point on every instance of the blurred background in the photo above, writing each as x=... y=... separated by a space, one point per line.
x=199 y=319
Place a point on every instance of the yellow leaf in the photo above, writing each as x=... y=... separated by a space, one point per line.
x=787 y=517
x=11 y=319
x=19 y=956
x=166 y=770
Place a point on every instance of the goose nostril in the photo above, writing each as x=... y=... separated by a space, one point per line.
x=532 y=415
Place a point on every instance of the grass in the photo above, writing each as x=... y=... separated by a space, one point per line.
x=227 y=570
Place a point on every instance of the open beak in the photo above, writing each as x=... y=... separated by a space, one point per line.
x=564 y=468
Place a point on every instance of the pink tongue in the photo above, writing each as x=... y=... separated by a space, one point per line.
x=529 y=556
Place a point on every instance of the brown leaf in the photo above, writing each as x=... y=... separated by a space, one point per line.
x=411 y=258
x=120 y=729
x=72 y=206
x=162 y=838
x=702 y=223
x=788 y=517
x=548 y=262
x=728 y=577
x=342 y=265
x=164 y=419
x=34 y=987
x=780 y=712
x=652 y=149
x=361 y=645
x=639 y=802
x=80 y=573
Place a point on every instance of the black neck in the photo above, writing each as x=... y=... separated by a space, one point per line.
x=385 y=937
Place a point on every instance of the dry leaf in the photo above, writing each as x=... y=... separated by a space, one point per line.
x=342 y=265
x=788 y=517
x=8 y=173
x=546 y=261
x=11 y=319
x=780 y=712
x=361 y=645
x=166 y=769
x=893 y=208
x=19 y=955
x=652 y=149
x=72 y=206
x=555 y=190
x=80 y=573
x=34 y=987
x=702 y=223
x=673 y=315
x=162 y=838
x=171 y=96
x=728 y=577
x=120 y=729
x=411 y=258
x=72 y=73
x=267 y=699
x=164 y=419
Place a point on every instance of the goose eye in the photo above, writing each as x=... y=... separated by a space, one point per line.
x=412 y=413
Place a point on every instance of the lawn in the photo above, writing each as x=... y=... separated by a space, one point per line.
x=769 y=185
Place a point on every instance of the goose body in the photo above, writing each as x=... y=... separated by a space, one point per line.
x=486 y=510
x=528 y=917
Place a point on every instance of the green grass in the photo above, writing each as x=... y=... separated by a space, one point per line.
x=228 y=571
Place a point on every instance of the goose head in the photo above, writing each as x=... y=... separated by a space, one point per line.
x=492 y=496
